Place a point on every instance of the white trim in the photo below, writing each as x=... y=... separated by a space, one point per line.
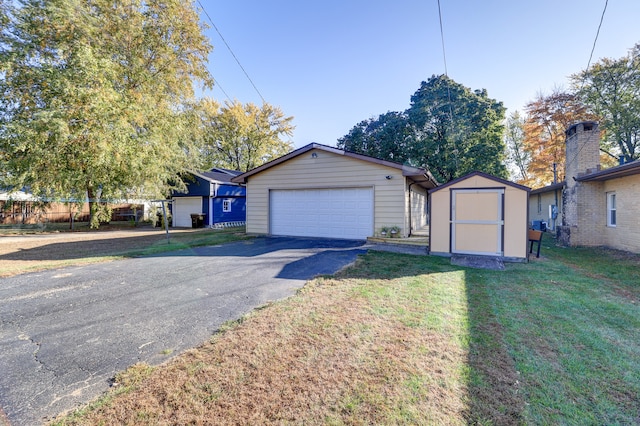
x=226 y=205
x=611 y=209
x=499 y=222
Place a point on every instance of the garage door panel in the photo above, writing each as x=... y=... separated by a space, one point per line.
x=331 y=213
x=183 y=207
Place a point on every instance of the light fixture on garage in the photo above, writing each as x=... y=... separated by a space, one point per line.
x=388 y=177
x=314 y=155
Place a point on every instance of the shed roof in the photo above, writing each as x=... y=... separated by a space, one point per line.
x=484 y=175
x=421 y=176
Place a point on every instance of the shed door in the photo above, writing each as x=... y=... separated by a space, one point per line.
x=330 y=213
x=477 y=221
x=183 y=207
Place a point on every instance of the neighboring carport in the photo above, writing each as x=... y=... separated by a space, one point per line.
x=479 y=215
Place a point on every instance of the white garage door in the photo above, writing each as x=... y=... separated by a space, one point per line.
x=330 y=213
x=182 y=209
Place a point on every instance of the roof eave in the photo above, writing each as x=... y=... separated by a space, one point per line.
x=628 y=169
x=406 y=170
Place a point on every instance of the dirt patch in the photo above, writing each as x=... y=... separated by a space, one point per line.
x=41 y=251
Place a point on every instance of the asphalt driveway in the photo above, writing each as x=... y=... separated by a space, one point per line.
x=65 y=333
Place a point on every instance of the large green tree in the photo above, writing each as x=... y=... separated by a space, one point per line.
x=243 y=136
x=611 y=89
x=449 y=129
x=389 y=136
x=96 y=96
x=458 y=130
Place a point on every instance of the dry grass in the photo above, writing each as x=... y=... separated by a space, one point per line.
x=402 y=339
x=334 y=354
x=34 y=252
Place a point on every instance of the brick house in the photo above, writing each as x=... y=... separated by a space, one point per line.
x=598 y=207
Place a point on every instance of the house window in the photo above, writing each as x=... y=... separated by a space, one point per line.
x=611 y=209
x=539 y=203
x=226 y=206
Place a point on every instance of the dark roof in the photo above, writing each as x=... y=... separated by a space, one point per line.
x=632 y=168
x=548 y=188
x=418 y=175
x=217 y=175
x=484 y=175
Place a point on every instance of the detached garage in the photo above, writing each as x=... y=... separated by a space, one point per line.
x=321 y=191
x=212 y=196
x=479 y=214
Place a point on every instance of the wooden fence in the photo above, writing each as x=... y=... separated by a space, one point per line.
x=30 y=212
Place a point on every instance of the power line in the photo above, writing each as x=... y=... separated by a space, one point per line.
x=586 y=71
x=231 y=51
x=217 y=83
x=593 y=48
x=444 y=57
x=444 y=54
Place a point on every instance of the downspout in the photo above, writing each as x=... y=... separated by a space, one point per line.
x=211 y=198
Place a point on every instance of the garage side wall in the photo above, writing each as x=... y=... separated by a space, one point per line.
x=328 y=170
x=418 y=213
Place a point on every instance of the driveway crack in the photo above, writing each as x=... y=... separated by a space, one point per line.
x=36 y=352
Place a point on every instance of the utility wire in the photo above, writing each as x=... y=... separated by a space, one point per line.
x=217 y=83
x=444 y=53
x=593 y=48
x=231 y=51
x=444 y=57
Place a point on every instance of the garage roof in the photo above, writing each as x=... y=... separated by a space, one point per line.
x=421 y=176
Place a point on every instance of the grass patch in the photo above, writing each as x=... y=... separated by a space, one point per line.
x=48 y=251
x=400 y=339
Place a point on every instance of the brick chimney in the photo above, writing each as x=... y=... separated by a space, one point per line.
x=580 y=202
x=582 y=149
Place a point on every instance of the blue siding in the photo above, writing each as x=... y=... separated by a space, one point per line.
x=231 y=191
x=238 y=210
x=197 y=187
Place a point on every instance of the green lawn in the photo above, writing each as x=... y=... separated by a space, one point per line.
x=399 y=339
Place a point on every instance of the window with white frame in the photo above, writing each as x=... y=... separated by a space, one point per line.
x=611 y=209
x=226 y=205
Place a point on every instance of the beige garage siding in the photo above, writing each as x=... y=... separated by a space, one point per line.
x=418 y=214
x=327 y=170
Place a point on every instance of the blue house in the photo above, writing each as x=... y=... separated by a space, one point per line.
x=213 y=196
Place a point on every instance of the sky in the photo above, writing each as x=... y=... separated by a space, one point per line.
x=333 y=63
